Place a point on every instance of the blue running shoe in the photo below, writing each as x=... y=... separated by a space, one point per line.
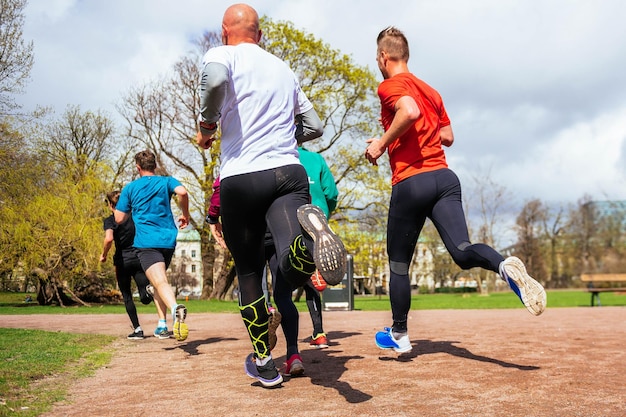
x=267 y=374
x=385 y=340
x=529 y=291
x=161 y=333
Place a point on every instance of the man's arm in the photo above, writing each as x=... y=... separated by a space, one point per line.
x=106 y=244
x=329 y=187
x=213 y=85
x=407 y=112
x=308 y=126
x=183 y=203
x=120 y=216
x=447 y=136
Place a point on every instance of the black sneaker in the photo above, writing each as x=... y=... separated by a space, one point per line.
x=136 y=335
x=267 y=374
x=329 y=253
x=144 y=296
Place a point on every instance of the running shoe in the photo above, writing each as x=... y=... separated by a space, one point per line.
x=144 y=296
x=180 y=327
x=529 y=291
x=135 y=335
x=267 y=374
x=274 y=322
x=319 y=342
x=150 y=290
x=385 y=340
x=318 y=282
x=294 y=366
x=161 y=333
x=329 y=252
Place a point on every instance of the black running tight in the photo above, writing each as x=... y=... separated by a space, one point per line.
x=435 y=195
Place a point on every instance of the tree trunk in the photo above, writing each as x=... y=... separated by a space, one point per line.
x=223 y=274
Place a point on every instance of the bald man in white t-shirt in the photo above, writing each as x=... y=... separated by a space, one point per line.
x=256 y=100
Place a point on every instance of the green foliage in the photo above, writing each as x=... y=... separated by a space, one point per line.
x=56 y=229
x=54 y=359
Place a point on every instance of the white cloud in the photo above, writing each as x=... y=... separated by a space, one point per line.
x=535 y=91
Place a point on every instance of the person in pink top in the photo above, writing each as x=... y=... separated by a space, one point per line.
x=417 y=127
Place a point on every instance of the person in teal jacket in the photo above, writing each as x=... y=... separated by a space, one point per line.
x=324 y=194
x=321 y=182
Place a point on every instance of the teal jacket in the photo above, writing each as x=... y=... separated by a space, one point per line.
x=322 y=185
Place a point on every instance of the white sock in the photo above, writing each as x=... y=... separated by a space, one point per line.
x=138 y=329
x=398 y=335
x=162 y=323
x=261 y=362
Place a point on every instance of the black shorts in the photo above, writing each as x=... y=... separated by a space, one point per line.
x=151 y=256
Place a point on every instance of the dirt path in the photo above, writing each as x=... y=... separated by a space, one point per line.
x=567 y=362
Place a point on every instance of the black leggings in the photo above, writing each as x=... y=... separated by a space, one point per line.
x=251 y=204
x=435 y=195
x=283 y=297
x=128 y=267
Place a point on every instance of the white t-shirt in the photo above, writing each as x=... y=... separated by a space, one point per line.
x=258 y=115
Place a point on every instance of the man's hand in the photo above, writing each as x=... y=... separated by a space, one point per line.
x=216 y=231
x=204 y=141
x=183 y=221
x=374 y=150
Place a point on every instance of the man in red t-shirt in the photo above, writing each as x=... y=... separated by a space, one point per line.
x=416 y=129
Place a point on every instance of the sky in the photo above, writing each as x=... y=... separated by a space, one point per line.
x=536 y=90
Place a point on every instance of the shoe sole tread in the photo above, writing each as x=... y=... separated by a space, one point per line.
x=329 y=253
x=532 y=293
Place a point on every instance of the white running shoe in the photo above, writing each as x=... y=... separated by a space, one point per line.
x=529 y=291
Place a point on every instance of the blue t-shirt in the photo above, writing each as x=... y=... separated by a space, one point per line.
x=148 y=199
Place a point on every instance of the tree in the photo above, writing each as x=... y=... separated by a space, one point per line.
x=553 y=231
x=52 y=236
x=20 y=177
x=16 y=56
x=162 y=115
x=490 y=199
x=529 y=232
x=81 y=142
x=53 y=206
x=596 y=232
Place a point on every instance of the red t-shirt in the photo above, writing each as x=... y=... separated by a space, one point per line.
x=419 y=148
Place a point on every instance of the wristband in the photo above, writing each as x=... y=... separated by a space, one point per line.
x=208 y=126
x=212 y=220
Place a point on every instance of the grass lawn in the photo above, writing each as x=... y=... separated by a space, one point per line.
x=37 y=367
x=13 y=303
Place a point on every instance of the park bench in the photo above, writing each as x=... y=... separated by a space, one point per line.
x=598 y=283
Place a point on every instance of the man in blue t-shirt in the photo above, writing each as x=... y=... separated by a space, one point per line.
x=148 y=200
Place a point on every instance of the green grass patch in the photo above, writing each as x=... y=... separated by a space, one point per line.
x=13 y=303
x=37 y=367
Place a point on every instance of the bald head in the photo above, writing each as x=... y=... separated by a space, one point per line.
x=240 y=25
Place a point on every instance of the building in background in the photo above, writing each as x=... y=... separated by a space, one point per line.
x=185 y=271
